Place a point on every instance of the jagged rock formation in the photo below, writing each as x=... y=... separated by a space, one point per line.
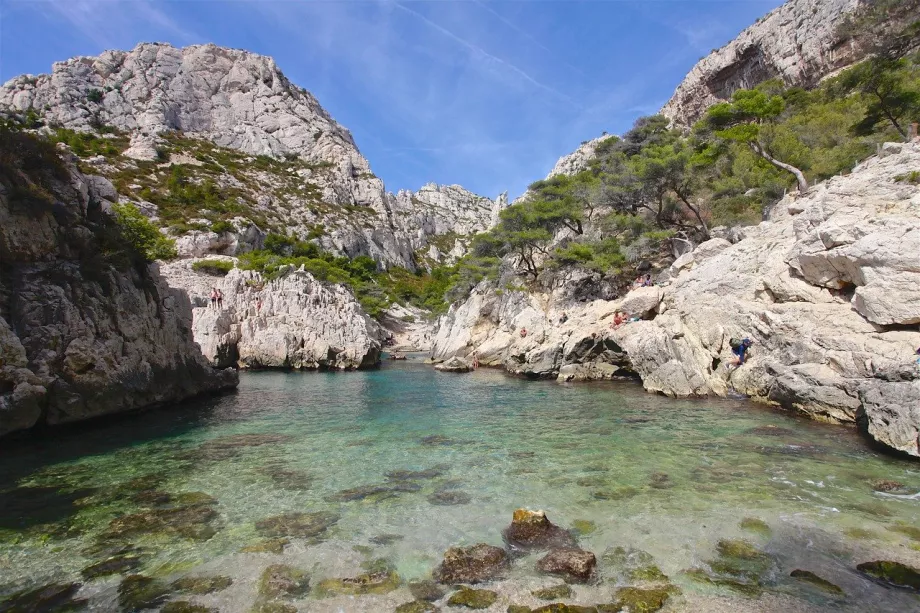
x=828 y=289
x=80 y=336
x=798 y=42
x=292 y=322
x=241 y=101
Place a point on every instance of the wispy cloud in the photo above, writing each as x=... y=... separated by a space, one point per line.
x=109 y=22
x=485 y=54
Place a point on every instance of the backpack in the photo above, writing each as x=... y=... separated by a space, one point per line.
x=734 y=343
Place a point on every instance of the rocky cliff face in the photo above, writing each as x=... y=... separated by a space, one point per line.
x=827 y=289
x=797 y=42
x=241 y=101
x=292 y=322
x=81 y=335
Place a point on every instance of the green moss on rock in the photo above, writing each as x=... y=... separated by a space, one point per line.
x=302 y=525
x=583 y=526
x=758 y=526
x=472 y=599
x=738 y=548
x=892 y=573
x=116 y=565
x=201 y=585
x=51 y=598
x=809 y=577
x=369 y=583
x=267 y=546
x=184 y=606
x=281 y=580
x=417 y=606
x=137 y=592
x=638 y=600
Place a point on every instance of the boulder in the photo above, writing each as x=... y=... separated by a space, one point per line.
x=454 y=364
x=533 y=530
x=573 y=565
x=471 y=564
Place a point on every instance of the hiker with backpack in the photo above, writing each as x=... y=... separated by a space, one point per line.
x=740 y=347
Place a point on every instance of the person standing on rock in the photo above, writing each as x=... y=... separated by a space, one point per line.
x=213 y=297
x=220 y=300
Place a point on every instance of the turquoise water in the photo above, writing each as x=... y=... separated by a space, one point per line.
x=667 y=477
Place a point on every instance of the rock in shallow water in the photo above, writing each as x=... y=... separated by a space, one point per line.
x=449 y=498
x=533 y=530
x=426 y=590
x=472 y=599
x=417 y=606
x=184 y=606
x=283 y=581
x=52 y=598
x=201 y=585
x=113 y=566
x=810 y=577
x=301 y=525
x=380 y=582
x=471 y=564
x=574 y=565
x=553 y=593
x=892 y=573
x=137 y=592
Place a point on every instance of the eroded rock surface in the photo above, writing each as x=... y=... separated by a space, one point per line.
x=82 y=335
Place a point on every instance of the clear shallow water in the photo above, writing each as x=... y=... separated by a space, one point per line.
x=669 y=477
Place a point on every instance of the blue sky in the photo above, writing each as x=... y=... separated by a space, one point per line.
x=486 y=94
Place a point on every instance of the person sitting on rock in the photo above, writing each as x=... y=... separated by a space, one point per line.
x=523 y=332
x=648 y=281
x=564 y=318
x=739 y=348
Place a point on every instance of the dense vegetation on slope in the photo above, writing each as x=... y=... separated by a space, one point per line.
x=657 y=183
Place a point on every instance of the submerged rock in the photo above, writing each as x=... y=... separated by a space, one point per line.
x=471 y=564
x=892 y=573
x=417 y=606
x=413 y=475
x=267 y=546
x=426 y=590
x=437 y=440
x=51 y=598
x=137 y=592
x=810 y=577
x=449 y=498
x=386 y=539
x=472 y=599
x=638 y=600
x=226 y=447
x=620 y=493
x=574 y=565
x=380 y=582
x=298 y=525
x=379 y=492
x=184 y=606
x=887 y=485
x=192 y=522
x=559 y=607
x=201 y=585
x=533 y=530
x=116 y=565
x=583 y=526
x=554 y=592
x=272 y=606
x=283 y=581
x=738 y=548
x=286 y=478
x=752 y=524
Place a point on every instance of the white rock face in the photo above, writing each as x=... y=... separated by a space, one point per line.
x=243 y=101
x=81 y=337
x=292 y=322
x=797 y=42
x=828 y=289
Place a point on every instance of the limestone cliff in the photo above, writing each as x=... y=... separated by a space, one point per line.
x=296 y=167
x=799 y=42
x=828 y=289
x=86 y=329
x=291 y=322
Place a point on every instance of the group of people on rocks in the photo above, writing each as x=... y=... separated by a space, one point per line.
x=645 y=281
x=217 y=299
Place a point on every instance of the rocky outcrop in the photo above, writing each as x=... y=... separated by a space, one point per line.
x=84 y=332
x=799 y=42
x=828 y=289
x=170 y=100
x=293 y=322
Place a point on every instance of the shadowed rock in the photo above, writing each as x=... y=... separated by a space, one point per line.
x=471 y=564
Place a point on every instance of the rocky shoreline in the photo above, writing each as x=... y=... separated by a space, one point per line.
x=826 y=288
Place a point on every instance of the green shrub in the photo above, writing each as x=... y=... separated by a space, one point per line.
x=94 y=95
x=141 y=234
x=911 y=177
x=222 y=227
x=215 y=268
